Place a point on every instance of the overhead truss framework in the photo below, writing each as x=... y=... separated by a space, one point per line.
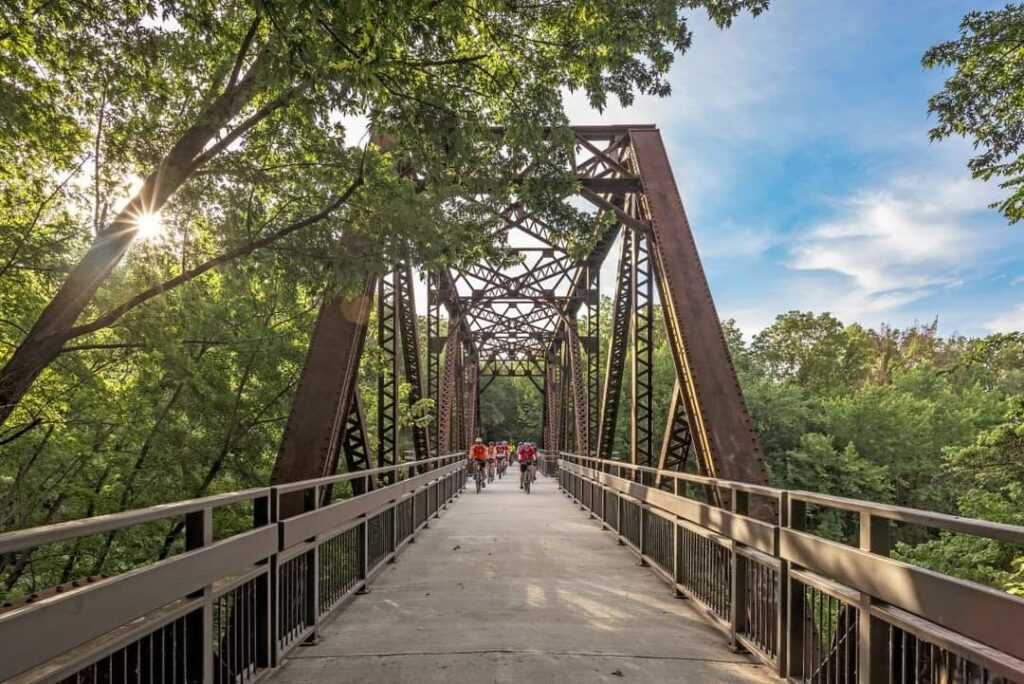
x=540 y=320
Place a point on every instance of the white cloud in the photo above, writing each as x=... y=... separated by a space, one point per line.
x=896 y=245
x=1008 y=321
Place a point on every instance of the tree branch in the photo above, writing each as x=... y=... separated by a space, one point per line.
x=243 y=50
x=235 y=133
x=116 y=313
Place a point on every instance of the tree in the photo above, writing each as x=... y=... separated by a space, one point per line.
x=813 y=351
x=202 y=97
x=981 y=100
x=816 y=465
x=988 y=476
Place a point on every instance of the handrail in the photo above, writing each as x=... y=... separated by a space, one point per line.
x=758 y=490
x=791 y=596
x=265 y=589
x=299 y=485
x=32 y=537
x=1013 y=534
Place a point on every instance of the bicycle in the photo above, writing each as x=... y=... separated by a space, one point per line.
x=528 y=477
x=490 y=472
x=478 y=477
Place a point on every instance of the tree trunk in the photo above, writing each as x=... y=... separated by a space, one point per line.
x=52 y=329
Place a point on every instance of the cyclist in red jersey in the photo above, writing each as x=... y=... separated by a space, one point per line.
x=502 y=452
x=527 y=456
x=478 y=455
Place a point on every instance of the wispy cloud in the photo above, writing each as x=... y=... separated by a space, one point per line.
x=1009 y=321
x=900 y=243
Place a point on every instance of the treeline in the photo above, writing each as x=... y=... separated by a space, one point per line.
x=898 y=416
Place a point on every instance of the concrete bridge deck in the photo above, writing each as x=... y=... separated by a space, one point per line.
x=506 y=587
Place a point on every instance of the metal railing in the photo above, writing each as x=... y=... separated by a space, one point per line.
x=816 y=610
x=225 y=609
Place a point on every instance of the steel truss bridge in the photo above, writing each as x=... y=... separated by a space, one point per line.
x=691 y=499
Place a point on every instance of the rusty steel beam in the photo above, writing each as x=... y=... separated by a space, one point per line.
x=448 y=405
x=388 y=379
x=323 y=400
x=580 y=400
x=622 y=303
x=552 y=392
x=435 y=346
x=641 y=433
x=471 y=399
x=408 y=327
x=593 y=352
x=724 y=434
x=675 y=446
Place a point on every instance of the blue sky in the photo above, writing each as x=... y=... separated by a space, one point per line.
x=800 y=145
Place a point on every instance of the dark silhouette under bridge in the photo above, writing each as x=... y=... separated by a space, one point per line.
x=507 y=586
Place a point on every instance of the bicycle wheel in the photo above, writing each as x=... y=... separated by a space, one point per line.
x=526 y=483
x=479 y=482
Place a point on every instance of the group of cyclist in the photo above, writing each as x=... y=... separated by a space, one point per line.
x=492 y=460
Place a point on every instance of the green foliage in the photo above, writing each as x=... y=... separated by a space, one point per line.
x=875 y=414
x=510 y=409
x=816 y=465
x=981 y=99
x=987 y=480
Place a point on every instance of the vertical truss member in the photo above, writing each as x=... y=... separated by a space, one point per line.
x=435 y=345
x=409 y=333
x=641 y=437
x=622 y=312
x=593 y=349
x=675 y=446
x=471 y=398
x=580 y=399
x=552 y=392
x=388 y=378
x=448 y=406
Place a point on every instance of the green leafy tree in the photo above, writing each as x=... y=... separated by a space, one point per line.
x=988 y=476
x=981 y=100
x=814 y=351
x=816 y=465
x=209 y=104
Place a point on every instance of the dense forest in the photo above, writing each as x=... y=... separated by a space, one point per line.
x=179 y=193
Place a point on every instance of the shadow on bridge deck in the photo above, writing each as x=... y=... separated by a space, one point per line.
x=506 y=587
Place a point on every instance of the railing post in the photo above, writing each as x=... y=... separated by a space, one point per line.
x=275 y=584
x=795 y=606
x=873 y=648
x=263 y=514
x=782 y=624
x=394 y=530
x=643 y=536
x=677 y=570
x=738 y=591
x=199 y=533
x=312 y=578
x=618 y=518
x=364 y=554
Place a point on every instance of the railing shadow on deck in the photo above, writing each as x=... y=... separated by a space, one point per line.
x=815 y=610
x=223 y=610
